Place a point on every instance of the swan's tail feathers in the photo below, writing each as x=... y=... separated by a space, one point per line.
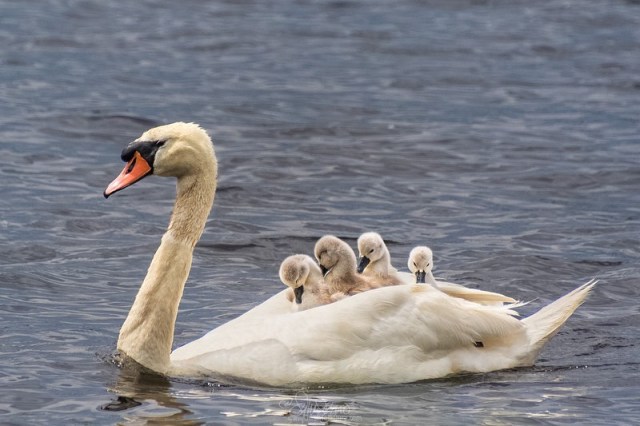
x=545 y=323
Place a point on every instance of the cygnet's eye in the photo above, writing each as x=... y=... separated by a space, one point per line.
x=415 y=265
x=371 y=251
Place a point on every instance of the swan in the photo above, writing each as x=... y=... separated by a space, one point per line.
x=375 y=261
x=338 y=262
x=393 y=334
x=420 y=264
x=303 y=275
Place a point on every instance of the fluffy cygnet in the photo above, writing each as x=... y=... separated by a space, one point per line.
x=304 y=277
x=338 y=263
x=375 y=261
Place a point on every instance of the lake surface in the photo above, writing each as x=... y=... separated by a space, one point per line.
x=503 y=134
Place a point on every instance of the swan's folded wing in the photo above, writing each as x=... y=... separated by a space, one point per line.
x=473 y=295
x=409 y=315
x=391 y=334
x=239 y=330
x=400 y=334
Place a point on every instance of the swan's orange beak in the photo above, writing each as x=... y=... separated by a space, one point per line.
x=136 y=169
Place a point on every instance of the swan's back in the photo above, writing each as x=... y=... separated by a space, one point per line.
x=388 y=335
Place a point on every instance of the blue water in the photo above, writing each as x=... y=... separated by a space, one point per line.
x=503 y=134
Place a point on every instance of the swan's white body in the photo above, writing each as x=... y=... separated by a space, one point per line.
x=392 y=334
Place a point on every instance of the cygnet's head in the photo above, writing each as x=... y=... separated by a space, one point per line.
x=420 y=262
x=371 y=248
x=330 y=251
x=176 y=149
x=297 y=271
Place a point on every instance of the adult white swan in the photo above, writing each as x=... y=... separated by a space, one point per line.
x=389 y=335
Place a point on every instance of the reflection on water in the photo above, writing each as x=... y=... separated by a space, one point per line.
x=502 y=134
x=148 y=399
x=152 y=398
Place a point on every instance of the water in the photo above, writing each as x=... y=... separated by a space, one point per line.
x=503 y=134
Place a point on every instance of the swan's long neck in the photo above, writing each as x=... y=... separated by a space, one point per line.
x=147 y=333
x=194 y=199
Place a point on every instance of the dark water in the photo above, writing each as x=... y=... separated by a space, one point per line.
x=504 y=134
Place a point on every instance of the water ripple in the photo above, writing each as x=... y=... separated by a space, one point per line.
x=502 y=134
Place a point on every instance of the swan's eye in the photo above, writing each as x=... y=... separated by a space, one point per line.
x=160 y=143
x=370 y=251
x=415 y=265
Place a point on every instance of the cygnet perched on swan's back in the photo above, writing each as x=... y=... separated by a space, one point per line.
x=304 y=277
x=338 y=263
x=375 y=261
x=420 y=263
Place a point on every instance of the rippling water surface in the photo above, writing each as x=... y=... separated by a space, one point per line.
x=503 y=134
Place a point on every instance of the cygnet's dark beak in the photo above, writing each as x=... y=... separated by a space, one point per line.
x=421 y=277
x=298 y=293
x=324 y=270
x=364 y=261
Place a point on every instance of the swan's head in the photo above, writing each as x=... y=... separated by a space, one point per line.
x=297 y=271
x=176 y=149
x=330 y=251
x=371 y=248
x=420 y=262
